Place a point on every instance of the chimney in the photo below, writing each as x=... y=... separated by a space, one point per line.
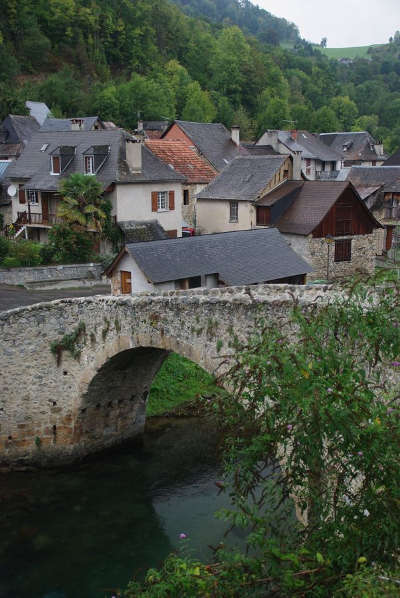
x=378 y=148
x=297 y=158
x=293 y=134
x=76 y=124
x=139 y=125
x=235 y=134
x=133 y=149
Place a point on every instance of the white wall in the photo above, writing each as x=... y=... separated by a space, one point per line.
x=133 y=202
x=213 y=216
x=139 y=281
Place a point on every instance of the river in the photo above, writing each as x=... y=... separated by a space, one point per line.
x=84 y=531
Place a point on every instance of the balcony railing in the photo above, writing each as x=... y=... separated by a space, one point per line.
x=38 y=218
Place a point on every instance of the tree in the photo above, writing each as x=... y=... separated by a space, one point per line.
x=367 y=123
x=346 y=111
x=198 y=106
x=325 y=121
x=273 y=113
x=324 y=42
x=82 y=203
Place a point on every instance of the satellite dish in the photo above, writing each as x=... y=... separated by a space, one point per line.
x=12 y=190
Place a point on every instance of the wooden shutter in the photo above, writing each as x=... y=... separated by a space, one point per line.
x=56 y=164
x=154 y=196
x=21 y=194
x=171 y=197
x=172 y=234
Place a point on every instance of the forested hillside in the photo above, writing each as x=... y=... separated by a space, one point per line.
x=118 y=57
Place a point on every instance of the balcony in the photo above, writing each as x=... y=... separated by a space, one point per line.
x=37 y=219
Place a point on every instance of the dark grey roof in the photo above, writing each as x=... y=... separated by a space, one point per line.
x=244 y=179
x=137 y=231
x=38 y=110
x=359 y=145
x=370 y=176
x=311 y=146
x=394 y=160
x=64 y=124
x=213 y=140
x=18 y=129
x=34 y=164
x=259 y=150
x=155 y=125
x=240 y=257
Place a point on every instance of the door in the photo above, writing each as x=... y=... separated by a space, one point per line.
x=389 y=238
x=126 y=284
x=45 y=209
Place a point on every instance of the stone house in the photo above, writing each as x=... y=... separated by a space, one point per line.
x=185 y=160
x=229 y=202
x=355 y=148
x=228 y=259
x=310 y=154
x=139 y=185
x=327 y=223
x=212 y=141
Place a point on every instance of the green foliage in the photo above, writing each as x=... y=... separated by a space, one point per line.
x=198 y=106
x=21 y=253
x=68 y=246
x=4 y=248
x=371 y=582
x=10 y=262
x=179 y=380
x=70 y=342
x=82 y=204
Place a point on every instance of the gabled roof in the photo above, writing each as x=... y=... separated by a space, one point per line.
x=370 y=176
x=242 y=257
x=259 y=150
x=38 y=110
x=244 y=179
x=213 y=141
x=310 y=145
x=19 y=129
x=359 y=145
x=183 y=159
x=291 y=188
x=64 y=124
x=394 y=160
x=312 y=204
x=34 y=163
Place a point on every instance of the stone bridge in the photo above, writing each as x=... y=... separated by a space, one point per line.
x=75 y=373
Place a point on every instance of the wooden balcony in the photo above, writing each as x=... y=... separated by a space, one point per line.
x=37 y=219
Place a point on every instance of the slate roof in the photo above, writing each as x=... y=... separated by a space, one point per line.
x=259 y=150
x=22 y=128
x=10 y=149
x=38 y=110
x=370 y=176
x=311 y=146
x=138 y=231
x=240 y=257
x=64 y=124
x=213 y=140
x=183 y=159
x=34 y=164
x=394 y=160
x=311 y=206
x=244 y=179
x=283 y=190
x=358 y=145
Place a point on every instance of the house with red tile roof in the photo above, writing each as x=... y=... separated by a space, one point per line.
x=197 y=171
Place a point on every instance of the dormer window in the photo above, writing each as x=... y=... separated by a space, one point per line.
x=89 y=165
x=61 y=158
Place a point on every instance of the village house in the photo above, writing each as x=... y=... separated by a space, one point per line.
x=139 y=185
x=379 y=187
x=317 y=160
x=326 y=222
x=228 y=202
x=212 y=141
x=197 y=171
x=236 y=258
x=355 y=148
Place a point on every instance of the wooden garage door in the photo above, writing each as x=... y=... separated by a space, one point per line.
x=126 y=284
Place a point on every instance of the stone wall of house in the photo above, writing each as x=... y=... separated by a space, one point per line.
x=363 y=252
x=51 y=274
x=90 y=393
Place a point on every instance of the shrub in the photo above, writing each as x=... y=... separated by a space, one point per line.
x=26 y=252
x=47 y=252
x=4 y=248
x=11 y=262
x=70 y=246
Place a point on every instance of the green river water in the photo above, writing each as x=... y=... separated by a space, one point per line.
x=83 y=532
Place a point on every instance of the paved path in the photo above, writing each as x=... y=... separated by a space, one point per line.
x=11 y=296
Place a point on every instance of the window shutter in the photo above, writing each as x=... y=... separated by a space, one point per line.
x=154 y=196
x=21 y=195
x=171 y=196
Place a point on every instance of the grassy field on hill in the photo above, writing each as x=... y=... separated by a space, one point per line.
x=355 y=52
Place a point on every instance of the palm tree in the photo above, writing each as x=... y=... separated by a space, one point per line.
x=82 y=203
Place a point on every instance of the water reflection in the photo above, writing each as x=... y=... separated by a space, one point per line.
x=82 y=532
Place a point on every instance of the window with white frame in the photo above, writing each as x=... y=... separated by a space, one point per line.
x=233 y=211
x=162 y=200
x=89 y=165
x=32 y=196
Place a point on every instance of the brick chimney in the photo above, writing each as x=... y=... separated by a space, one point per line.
x=133 y=149
x=235 y=134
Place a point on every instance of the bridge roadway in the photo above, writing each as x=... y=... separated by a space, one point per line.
x=90 y=392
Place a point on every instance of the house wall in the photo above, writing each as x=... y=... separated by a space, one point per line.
x=133 y=202
x=189 y=211
x=213 y=216
x=176 y=134
x=316 y=251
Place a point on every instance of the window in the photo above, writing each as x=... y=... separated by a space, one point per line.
x=162 y=201
x=186 y=197
x=32 y=196
x=233 y=211
x=55 y=165
x=89 y=164
x=343 y=219
x=343 y=250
